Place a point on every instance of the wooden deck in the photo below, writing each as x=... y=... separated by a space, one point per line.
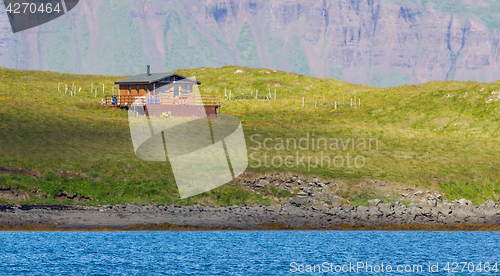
x=156 y=105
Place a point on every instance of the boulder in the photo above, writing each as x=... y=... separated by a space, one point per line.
x=464 y=201
x=432 y=202
x=375 y=202
x=489 y=203
x=418 y=193
x=302 y=194
x=262 y=183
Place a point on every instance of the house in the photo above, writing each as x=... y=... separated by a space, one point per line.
x=162 y=92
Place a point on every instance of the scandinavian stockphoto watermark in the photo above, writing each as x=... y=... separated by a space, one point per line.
x=310 y=152
x=364 y=267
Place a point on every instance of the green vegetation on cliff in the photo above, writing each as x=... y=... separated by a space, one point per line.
x=439 y=136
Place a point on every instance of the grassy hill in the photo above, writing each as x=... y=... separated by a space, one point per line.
x=440 y=136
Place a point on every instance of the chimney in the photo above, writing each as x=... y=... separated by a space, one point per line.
x=147 y=72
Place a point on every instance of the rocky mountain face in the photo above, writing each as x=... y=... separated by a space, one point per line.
x=377 y=42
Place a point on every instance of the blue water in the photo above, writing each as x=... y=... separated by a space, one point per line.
x=248 y=253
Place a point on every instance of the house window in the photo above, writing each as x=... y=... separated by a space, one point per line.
x=186 y=90
x=176 y=91
x=164 y=90
x=137 y=89
x=145 y=89
x=130 y=89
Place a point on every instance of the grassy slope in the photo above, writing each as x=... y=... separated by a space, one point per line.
x=439 y=136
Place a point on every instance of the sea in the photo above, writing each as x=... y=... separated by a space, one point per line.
x=250 y=253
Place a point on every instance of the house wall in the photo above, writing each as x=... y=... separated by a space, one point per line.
x=124 y=89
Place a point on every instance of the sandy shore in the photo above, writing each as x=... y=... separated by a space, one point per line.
x=291 y=215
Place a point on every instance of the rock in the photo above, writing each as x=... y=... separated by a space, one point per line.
x=262 y=183
x=422 y=203
x=333 y=199
x=362 y=210
x=346 y=207
x=432 y=202
x=489 y=203
x=302 y=194
x=464 y=201
x=418 y=193
x=375 y=202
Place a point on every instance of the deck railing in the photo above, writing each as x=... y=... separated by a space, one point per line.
x=128 y=100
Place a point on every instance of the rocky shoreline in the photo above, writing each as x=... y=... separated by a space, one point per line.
x=293 y=214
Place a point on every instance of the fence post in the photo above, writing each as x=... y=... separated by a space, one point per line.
x=335 y=105
x=302 y=101
x=351 y=102
x=92 y=87
x=256 y=93
x=315 y=102
x=58 y=87
x=274 y=94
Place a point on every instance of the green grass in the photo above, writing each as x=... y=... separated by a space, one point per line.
x=439 y=136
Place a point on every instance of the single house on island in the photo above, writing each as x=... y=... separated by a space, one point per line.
x=159 y=92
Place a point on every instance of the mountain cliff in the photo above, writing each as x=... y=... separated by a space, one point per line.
x=377 y=42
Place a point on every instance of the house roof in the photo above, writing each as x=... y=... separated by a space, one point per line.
x=153 y=77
